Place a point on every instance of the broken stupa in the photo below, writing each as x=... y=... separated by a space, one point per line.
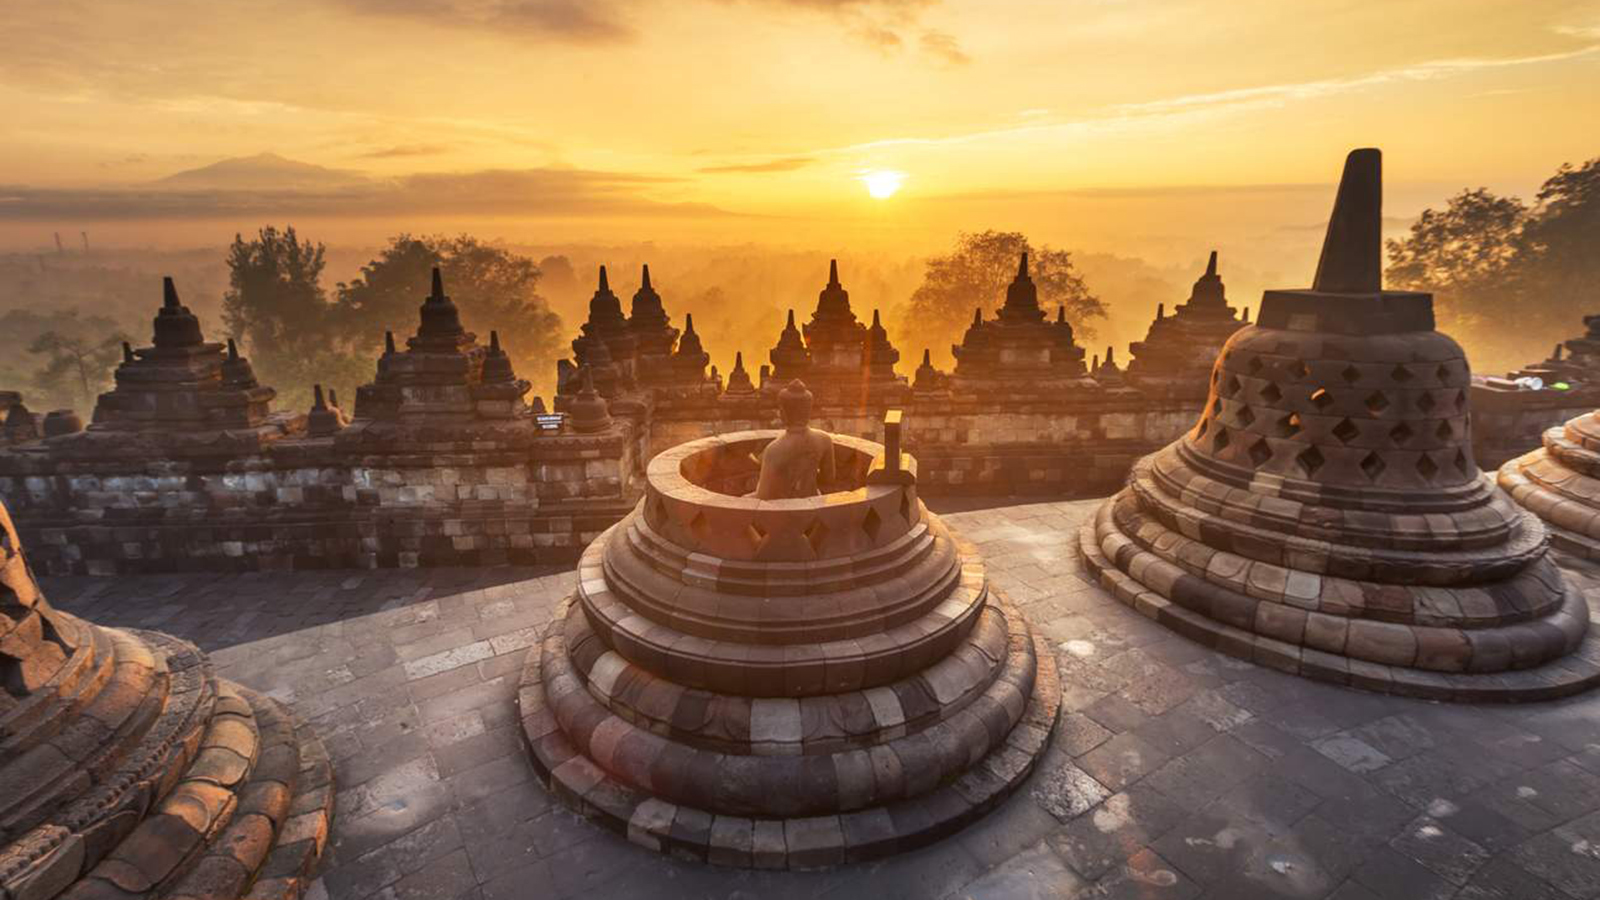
x=818 y=677
x=1325 y=515
x=128 y=769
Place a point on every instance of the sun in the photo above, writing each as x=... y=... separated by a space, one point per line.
x=882 y=183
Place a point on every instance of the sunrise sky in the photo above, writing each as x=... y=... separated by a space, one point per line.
x=1089 y=121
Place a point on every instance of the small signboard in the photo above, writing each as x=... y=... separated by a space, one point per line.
x=550 y=421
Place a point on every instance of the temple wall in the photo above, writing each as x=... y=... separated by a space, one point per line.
x=1507 y=424
x=307 y=504
x=1056 y=452
x=1083 y=449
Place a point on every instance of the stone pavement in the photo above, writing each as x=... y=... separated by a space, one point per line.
x=1175 y=772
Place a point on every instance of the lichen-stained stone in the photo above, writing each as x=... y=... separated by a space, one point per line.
x=1325 y=510
x=786 y=683
x=128 y=768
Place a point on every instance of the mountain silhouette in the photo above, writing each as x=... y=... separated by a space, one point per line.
x=262 y=172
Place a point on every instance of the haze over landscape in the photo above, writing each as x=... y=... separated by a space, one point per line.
x=736 y=145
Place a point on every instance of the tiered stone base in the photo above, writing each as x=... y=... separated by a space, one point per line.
x=796 y=783
x=138 y=773
x=1137 y=574
x=1560 y=483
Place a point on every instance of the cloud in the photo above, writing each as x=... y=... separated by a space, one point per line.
x=404 y=150
x=532 y=193
x=782 y=164
x=881 y=38
x=584 y=21
x=944 y=46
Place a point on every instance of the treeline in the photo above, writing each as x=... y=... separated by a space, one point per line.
x=299 y=333
x=1508 y=276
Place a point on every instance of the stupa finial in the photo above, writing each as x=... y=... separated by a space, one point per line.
x=1022 y=267
x=644 y=277
x=169 y=293
x=1352 y=261
x=605 y=283
x=438 y=284
x=833 y=273
x=1211 y=266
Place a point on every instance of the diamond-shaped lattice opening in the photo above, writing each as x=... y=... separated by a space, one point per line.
x=1377 y=402
x=1346 y=431
x=1216 y=407
x=905 y=506
x=1443 y=371
x=1351 y=374
x=816 y=534
x=1246 y=416
x=1427 y=468
x=1402 y=374
x=1260 y=452
x=700 y=527
x=1232 y=386
x=1462 y=463
x=1254 y=366
x=1321 y=399
x=1444 y=431
x=1461 y=401
x=1289 y=425
x=1401 y=433
x=757 y=535
x=1373 y=465
x=1271 y=393
x=1200 y=430
x=1310 y=460
x=1299 y=369
x=1221 y=440
x=872 y=524
x=1426 y=403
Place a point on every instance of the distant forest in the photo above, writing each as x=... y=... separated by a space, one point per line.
x=1492 y=262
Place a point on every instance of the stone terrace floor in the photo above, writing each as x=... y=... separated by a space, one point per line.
x=1175 y=772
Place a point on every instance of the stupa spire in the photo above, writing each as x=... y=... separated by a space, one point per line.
x=833 y=273
x=1211 y=266
x=605 y=283
x=438 y=284
x=1351 y=261
x=644 y=277
x=169 y=293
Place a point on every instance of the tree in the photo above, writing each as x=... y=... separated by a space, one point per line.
x=275 y=302
x=76 y=367
x=1469 y=246
x=275 y=305
x=976 y=274
x=1561 y=241
x=1490 y=260
x=493 y=287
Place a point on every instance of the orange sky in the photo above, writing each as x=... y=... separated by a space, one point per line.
x=1107 y=124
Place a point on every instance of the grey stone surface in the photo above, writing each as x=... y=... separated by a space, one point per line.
x=1246 y=787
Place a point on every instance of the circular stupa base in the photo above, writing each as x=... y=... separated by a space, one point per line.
x=798 y=842
x=1557 y=483
x=1573 y=673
